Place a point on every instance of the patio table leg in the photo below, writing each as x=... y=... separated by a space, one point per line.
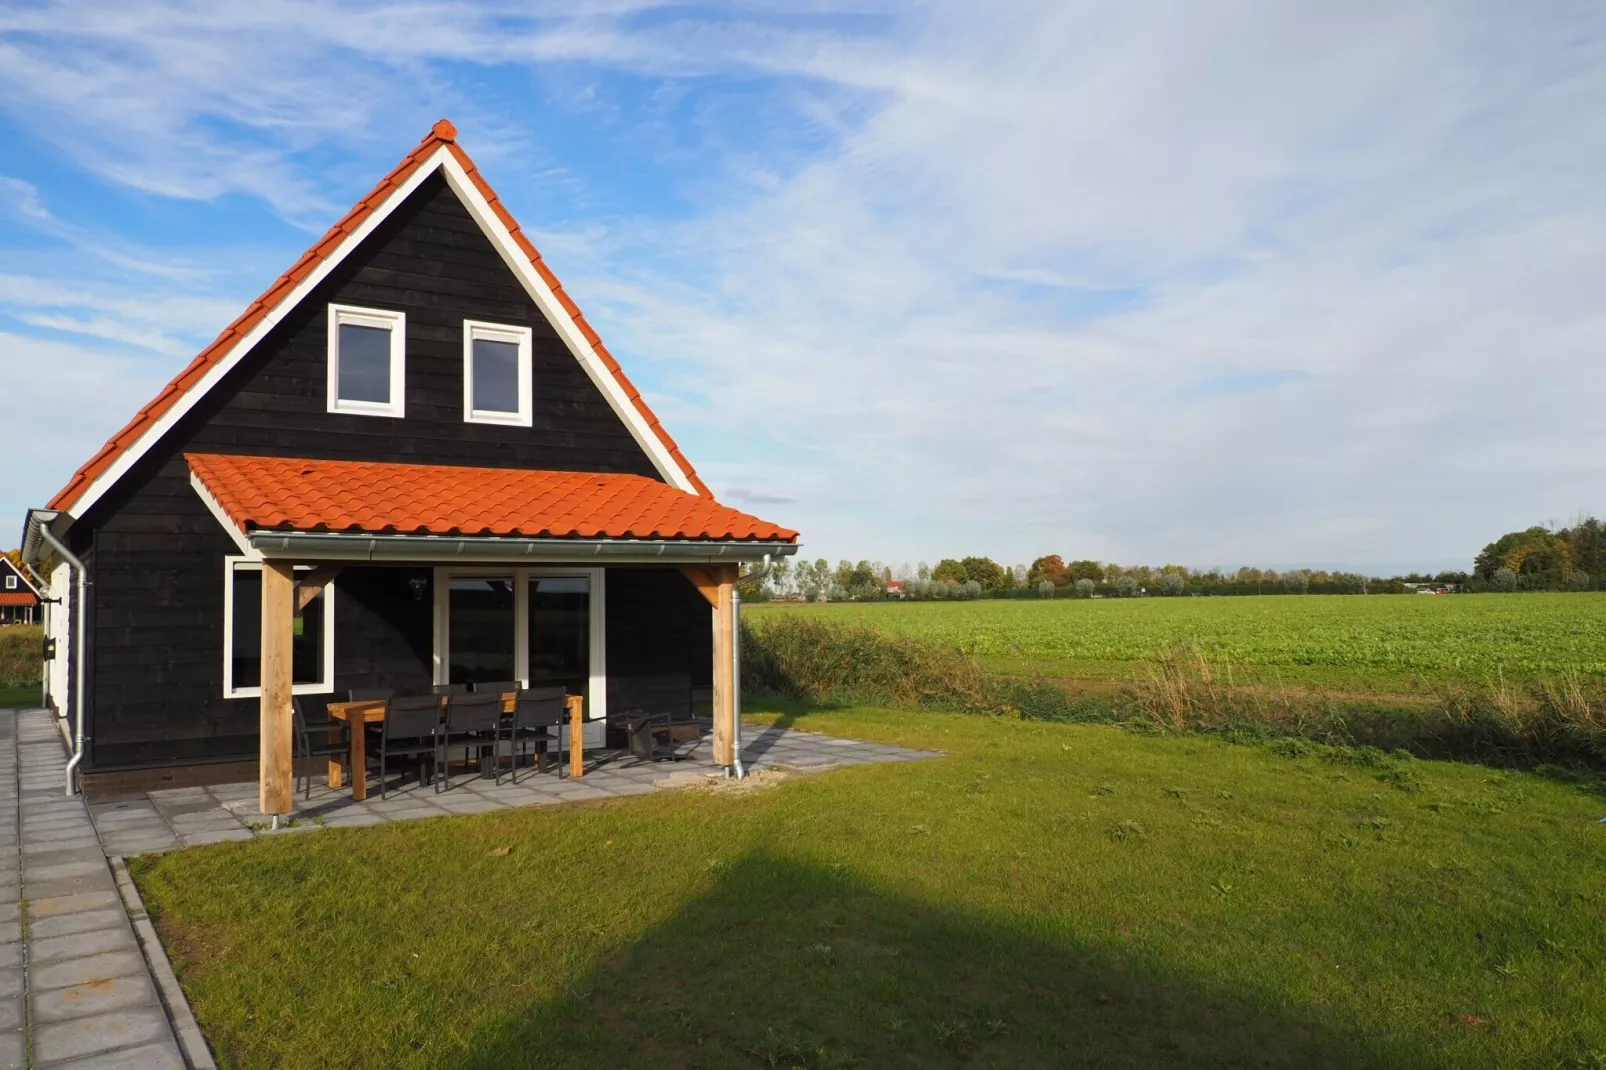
x=359 y=761
x=335 y=770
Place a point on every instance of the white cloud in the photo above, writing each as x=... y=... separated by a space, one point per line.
x=970 y=320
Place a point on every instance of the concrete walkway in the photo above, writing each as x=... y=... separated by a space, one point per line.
x=75 y=990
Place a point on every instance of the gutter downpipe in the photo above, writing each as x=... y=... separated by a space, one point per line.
x=736 y=658
x=81 y=600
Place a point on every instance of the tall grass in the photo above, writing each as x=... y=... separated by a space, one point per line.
x=20 y=662
x=1560 y=721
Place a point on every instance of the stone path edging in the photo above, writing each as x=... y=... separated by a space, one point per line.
x=197 y=1056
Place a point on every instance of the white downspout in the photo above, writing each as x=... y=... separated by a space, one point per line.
x=81 y=603
x=736 y=660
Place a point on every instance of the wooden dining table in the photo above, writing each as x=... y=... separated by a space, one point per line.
x=361 y=712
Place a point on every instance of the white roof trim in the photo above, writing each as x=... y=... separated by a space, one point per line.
x=228 y=525
x=511 y=254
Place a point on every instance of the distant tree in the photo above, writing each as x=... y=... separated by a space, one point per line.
x=948 y=571
x=1586 y=540
x=1085 y=570
x=1535 y=552
x=923 y=572
x=1579 y=580
x=1503 y=579
x=861 y=576
x=1297 y=582
x=1125 y=587
x=1045 y=588
x=985 y=571
x=1007 y=581
x=972 y=589
x=1085 y=587
x=780 y=576
x=1172 y=584
x=1049 y=568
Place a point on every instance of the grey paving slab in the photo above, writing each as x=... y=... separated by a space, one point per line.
x=80 y=922
x=93 y=997
x=99 y=1033
x=12 y=1012
x=13 y=1050
x=84 y=970
x=81 y=945
x=40 y=909
x=163 y=1055
x=234 y=835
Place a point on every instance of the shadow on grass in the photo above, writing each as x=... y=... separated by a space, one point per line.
x=790 y=964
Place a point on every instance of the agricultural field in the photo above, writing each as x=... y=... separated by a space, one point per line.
x=1381 y=643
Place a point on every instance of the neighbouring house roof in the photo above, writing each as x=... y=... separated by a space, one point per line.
x=18 y=598
x=333 y=245
x=285 y=494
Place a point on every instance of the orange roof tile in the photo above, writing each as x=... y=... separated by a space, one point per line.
x=442 y=134
x=18 y=598
x=286 y=494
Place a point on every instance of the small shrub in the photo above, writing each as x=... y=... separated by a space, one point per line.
x=1084 y=588
x=1045 y=589
x=1297 y=582
x=1503 y=580
x=1172 y=584
x=1125 y=587
x=21 y=657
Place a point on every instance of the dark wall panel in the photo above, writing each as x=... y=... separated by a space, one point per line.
x=657 y=623
x=157 y=605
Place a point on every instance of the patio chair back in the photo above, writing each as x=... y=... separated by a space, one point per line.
x=497 y=688
x=540 y=707
x=371 y=694
x=450 y=689
x=415 y=717
x=481 y=712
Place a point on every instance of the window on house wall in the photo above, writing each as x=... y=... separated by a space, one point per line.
x=11 y=583
x=312 y=645
x=367 y=361
x=496 y=374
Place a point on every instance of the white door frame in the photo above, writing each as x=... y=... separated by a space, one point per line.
x=597 y=707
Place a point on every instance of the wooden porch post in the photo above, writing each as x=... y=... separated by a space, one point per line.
x=724 y=673
x=276 y=775
x=718 y=585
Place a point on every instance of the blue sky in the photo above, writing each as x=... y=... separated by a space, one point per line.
x=1271 y=283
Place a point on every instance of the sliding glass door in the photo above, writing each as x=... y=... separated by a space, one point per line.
x=482 y=625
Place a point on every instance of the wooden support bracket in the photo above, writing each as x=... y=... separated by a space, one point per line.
x=310 y=585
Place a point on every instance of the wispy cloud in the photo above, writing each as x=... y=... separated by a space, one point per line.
x=1163 y=281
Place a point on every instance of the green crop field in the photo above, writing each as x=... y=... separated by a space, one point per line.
x=1373 y=643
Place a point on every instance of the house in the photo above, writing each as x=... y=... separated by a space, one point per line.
x=411 y=462
x=19 y=597
x=895 y=589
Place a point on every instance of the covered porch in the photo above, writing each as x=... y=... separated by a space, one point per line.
x=380 y=582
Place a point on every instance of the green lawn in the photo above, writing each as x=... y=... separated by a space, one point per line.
x=1045 y=895
x=1374 y=643
x=27 y=696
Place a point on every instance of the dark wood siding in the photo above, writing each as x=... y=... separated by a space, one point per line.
x=157 y=602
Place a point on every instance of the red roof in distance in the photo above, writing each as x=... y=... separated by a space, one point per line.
x=287 y=494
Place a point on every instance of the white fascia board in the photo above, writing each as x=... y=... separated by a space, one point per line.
x=153 y=434
x=247 y=551
x=567 y=329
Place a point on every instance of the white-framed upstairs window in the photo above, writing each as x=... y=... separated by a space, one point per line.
x=496 y=374
x=367 y=361
x=312 y=660
x=11 y=582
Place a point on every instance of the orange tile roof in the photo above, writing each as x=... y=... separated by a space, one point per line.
x=442 y=134
x=285 y=494
x=18 y=598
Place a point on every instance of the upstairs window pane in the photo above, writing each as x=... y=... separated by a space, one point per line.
x=364 y=364
x=496 y=376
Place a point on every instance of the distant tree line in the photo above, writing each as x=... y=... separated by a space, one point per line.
x=1538 y=559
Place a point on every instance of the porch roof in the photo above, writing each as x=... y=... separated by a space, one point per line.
x=375 y=498
x=18 y=598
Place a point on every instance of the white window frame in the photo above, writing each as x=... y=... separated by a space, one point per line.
x=321 y=687
x=11 y=582
x=383 y=319
x=598 y=671
x=499 y=332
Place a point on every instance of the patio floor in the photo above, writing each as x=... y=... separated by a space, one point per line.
x=184 y=817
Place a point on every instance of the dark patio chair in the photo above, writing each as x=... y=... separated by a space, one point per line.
x=324 y=737
x=473 y=722
x=411 y=729
x=498 y=687
x=648 y=706
x=538 y=711
x=450 y=689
